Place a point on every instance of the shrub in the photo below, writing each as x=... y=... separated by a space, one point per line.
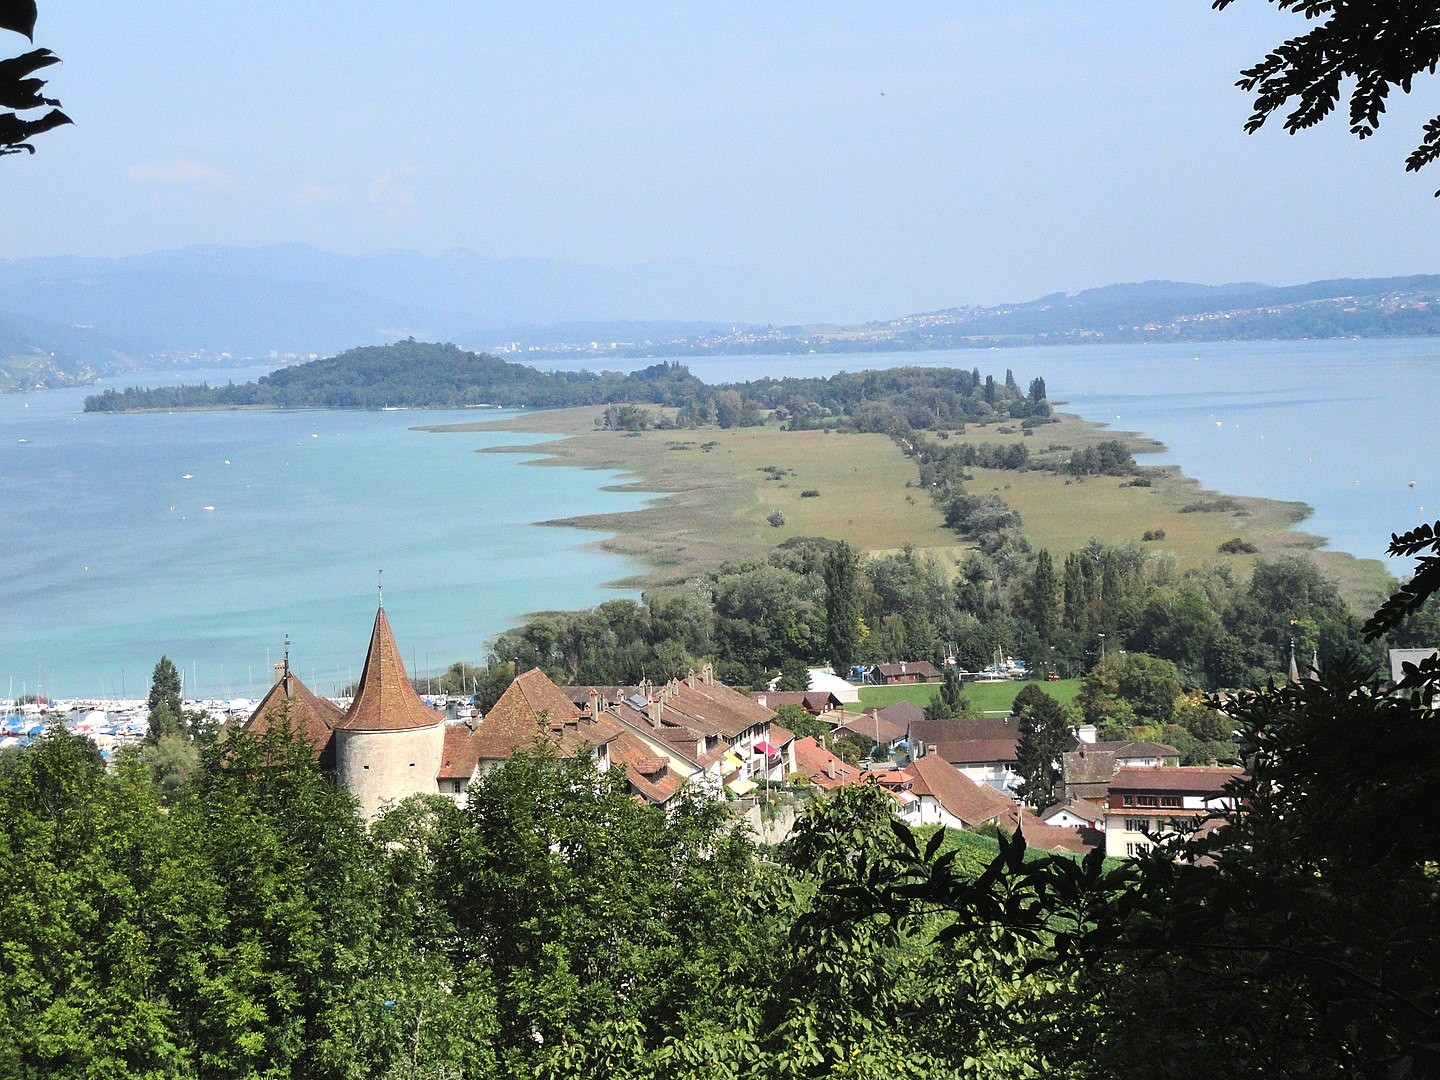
x=1237 y=546
x=776 y=519
x=810 y=493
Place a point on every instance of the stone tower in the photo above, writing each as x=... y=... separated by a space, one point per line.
x=389 y=744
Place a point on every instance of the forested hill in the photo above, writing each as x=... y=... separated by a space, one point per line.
x=414 y=374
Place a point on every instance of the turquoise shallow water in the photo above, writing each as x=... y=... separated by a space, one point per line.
x=108 y=557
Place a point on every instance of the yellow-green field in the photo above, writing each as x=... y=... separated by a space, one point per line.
x=720 y=486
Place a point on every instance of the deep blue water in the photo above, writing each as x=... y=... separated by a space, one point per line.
x=108 y=557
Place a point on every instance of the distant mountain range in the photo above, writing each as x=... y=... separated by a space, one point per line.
x=67 y=319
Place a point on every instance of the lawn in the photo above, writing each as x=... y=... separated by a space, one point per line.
x=987 y=697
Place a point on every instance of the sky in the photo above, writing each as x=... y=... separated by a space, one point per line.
x=865 y=162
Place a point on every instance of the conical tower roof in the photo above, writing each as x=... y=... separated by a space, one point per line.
x=385 y=700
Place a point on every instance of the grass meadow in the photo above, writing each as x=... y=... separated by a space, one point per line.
x=718 y=492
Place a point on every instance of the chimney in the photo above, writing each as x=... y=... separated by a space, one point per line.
x=654 y=709
x=592 y=702
x=830 y=768
x=760 y=700
x=690 y=679
x=279 y=670
x=707 y=673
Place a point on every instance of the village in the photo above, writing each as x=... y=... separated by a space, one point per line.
x=959 y=773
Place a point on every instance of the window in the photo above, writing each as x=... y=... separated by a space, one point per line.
x=1128 y=800
x=1135 y=849
x=1135 y=824
x=1170 y=800
x=1147 y=800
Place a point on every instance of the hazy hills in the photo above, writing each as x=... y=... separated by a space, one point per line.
x=67 y=319
x=294 y=299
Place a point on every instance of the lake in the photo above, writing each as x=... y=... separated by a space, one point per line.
x=211 y=536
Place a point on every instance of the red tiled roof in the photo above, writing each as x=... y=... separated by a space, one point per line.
x=903 y=713
x=385 y=700
x=922 y=668
x=648 y=773
x=310 y=716
x=1087 y=765
x=533 y=708
x=960 y=796
x=812 y=759
x=1201 y=779
x=712 y=708
x=780 y=736
x=461 y=753
x=1135 y=748
x=1044 y=837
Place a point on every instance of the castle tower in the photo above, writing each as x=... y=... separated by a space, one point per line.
x=388 y=745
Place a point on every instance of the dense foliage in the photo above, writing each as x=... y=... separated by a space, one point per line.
x=554 y=927
x=756 y=619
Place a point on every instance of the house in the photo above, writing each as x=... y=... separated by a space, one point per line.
x=1074 y=814
x=945 y=796
x=1144 y=802
x=814 y=702
x=388 y=745
x=703 y=727
x=827 y=681
x=904 y=673
x=983 y=748
x=1400 y=657
x=824 y=769
x=1059 y=838
x=1085 y=771
x=875 y=726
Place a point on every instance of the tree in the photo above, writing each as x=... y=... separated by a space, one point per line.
x=802 y=723
x=1044 y=736
x=842 y=608
x=949 y=701
x=1042 y=600
x=727 y=408
x=794 y=675
x=164 y=701
x=20 y=91
x=1374 y=45
x=601 y=924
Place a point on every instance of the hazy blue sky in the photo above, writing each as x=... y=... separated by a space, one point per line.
x=872 y=162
